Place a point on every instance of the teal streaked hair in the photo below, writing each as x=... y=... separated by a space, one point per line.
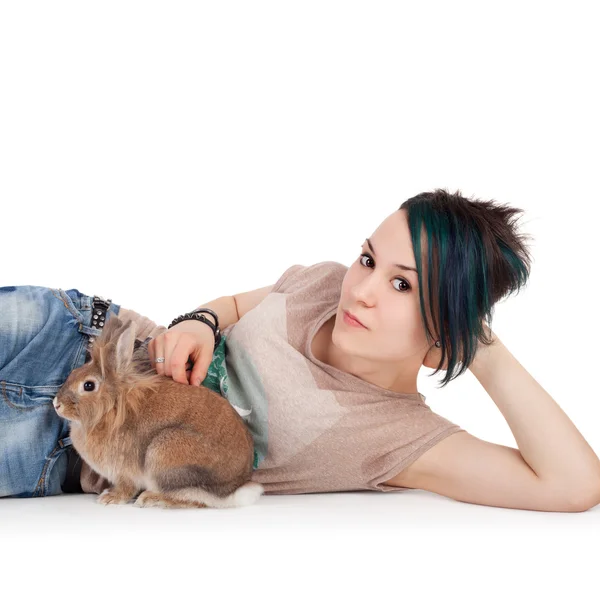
x=477 y=257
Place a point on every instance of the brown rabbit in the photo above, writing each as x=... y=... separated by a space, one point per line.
x=186 y=446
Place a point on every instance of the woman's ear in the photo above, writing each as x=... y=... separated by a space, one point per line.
x=433 y=357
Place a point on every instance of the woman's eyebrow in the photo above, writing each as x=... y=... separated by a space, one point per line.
x=403 y=267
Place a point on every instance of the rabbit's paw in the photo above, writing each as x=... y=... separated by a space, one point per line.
x=110 y=496
x=164 y=500
x=148 y=498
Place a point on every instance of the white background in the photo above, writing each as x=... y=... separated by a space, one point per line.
x=163 y=154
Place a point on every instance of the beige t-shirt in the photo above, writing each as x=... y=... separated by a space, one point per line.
x=315 y=428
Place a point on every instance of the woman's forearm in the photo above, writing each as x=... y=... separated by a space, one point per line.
x=547 y=439
x=225 y=308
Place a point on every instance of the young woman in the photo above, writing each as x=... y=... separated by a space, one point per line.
x=323 y=368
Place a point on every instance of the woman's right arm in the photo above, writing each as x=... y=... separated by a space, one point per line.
x=229 y=309
x=191 y=342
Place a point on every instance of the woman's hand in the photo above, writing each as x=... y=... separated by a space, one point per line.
x=189 y=339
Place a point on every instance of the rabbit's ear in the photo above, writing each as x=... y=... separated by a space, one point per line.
x=110 y=331
x=125 y=340
x=115 y=345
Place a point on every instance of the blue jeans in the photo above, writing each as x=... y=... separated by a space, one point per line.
x=42 y=339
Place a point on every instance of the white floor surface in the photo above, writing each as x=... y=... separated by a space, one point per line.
x=349 y=544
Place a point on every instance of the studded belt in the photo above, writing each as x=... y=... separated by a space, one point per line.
x=99 y=308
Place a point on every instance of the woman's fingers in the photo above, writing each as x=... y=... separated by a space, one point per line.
x=183 y=361
x=178 y=362
x=200 y=369
x=156 y=350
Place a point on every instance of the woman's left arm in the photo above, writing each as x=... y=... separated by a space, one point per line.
x=548 y=440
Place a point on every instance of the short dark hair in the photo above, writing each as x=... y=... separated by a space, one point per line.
x=477 y=257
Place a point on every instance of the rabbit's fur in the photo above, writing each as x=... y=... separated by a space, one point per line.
x=184 y=445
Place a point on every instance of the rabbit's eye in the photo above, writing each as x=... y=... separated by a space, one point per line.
x=89 y=386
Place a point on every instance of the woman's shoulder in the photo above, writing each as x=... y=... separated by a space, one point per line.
x=299 y=276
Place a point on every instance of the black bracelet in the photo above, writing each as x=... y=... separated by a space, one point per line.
x=204 y=310
x=196 y=316
x=210 y=312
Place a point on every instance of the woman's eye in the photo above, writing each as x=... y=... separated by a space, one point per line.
x=396 y=279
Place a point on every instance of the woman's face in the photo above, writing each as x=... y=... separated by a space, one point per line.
x=385 y=298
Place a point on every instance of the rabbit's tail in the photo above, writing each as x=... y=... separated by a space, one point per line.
x=246 y=494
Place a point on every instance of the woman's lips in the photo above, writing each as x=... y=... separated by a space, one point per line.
x=349 y=320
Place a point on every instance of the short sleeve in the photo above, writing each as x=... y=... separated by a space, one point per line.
x=283 y=283
x=399 y=456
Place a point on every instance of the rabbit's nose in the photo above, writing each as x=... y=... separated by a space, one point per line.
x=55 y=402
